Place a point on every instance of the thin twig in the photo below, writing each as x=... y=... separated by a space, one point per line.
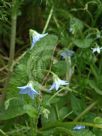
x=48 y=20
x=85 y=111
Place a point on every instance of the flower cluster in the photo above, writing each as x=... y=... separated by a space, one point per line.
x=29 y=90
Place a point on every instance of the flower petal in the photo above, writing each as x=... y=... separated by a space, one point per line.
x=97 y=49
x=63 y=82
x=28 y=89
x=31 y=94
x=78 y=127
x=36 y=37
x=57 y=85
x=67 y=53
x=52 y=87
x=23 y=89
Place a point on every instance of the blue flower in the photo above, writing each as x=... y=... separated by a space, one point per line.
x=67 y=53
x=35 y=37
x=28 y=89
x=57 y=83
x=78 y=127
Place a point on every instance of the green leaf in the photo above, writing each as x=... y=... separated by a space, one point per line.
x=77 y=105
x=93 y=85
x=51 y=117
x=7 y=102
x=98 y=132
x=30 y=110
x=98 y=120
x=40 y=57
x=83 y=43
x=19 y=76
x=84 y=132
x=32 y=65
x=59 y=68
x=76 y=25
x=63 y=112
x=14 y=109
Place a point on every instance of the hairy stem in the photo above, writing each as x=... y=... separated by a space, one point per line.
x=12 y=41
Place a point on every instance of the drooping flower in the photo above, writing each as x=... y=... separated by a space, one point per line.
x=57 y=83
x=35 y=37
x=67 y=53
x=78 y=127
x=97 y=49
x=28 y=89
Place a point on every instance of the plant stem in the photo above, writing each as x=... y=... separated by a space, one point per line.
x=56 y=22
x=12 y=44
x=68 y=68
x=69 y=124
x=3 y=133
x=53 y=96
x=33 y=123
x=13 y=35
x=48 y=20
x=12 y=41
x=94 y=71
x=85 y=111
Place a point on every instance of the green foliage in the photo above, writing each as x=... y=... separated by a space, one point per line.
x=40 y=57
x=15 y=6
x=78 y=26
x=32 y=65
x=5 y=5
x=58 y=66
x=78 y=105
x=83 y=43
x=14 y=109
x=19 y=77
x=83 y=133
x=57 y=128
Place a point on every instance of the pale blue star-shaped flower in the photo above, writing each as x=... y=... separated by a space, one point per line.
x=67 y=53
x=97 y=49
x=57 y=83
x=28 y=89
x=35 y=37
x=78 y=127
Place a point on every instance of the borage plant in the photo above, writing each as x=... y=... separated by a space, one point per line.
x=55 y=87
x=31 y=91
